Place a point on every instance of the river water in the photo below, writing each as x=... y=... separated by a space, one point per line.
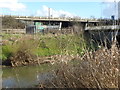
x=26 y=77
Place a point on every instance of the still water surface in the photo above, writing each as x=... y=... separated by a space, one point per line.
x=24 y=77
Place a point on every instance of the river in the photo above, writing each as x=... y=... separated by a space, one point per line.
x=26 y=77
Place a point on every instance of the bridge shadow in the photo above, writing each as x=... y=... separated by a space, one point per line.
x=103 y=38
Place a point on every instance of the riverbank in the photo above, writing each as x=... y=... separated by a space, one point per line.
x=40 y=60
x=22 y=50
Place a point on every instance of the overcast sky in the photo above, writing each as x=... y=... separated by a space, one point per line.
x=68 y=8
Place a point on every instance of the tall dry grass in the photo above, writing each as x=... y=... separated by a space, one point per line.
x=96 y=69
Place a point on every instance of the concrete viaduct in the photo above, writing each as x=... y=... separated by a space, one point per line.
x=99 y=34
x=65 y=22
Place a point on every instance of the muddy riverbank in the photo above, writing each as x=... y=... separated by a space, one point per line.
x=26 y=60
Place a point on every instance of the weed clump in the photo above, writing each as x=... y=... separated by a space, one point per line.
x=96 y=69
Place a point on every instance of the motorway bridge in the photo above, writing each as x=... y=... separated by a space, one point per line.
x=60 y=22
x=55 y=19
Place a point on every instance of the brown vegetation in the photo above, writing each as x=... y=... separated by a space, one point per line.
x=99 y=69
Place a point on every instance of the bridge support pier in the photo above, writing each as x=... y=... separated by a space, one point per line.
x=60 y=27
x=102 y=37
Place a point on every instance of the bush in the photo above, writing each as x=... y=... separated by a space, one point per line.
x=7 y=52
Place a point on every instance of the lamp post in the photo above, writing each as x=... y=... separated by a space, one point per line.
x=116 y=32
x=114 y=22
x=49 y=15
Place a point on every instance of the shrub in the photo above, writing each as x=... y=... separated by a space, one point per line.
x=7 y=51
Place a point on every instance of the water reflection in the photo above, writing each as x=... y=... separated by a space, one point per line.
x=20 y=77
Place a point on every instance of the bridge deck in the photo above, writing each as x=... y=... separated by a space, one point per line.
x=112 y=27
x=56 y=19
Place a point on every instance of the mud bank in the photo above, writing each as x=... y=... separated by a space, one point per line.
x=26 y=60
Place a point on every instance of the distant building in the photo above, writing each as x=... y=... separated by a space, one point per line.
x=41 y=26
x=30 y=29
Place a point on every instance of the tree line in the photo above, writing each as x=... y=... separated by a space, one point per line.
x=11 y=23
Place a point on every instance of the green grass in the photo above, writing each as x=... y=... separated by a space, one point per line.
x=65 y=44
x=6 y=52
x=46 y=45
x=8 y=36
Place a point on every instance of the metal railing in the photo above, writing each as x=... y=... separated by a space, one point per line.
x=14 y=31
x=110 y=27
